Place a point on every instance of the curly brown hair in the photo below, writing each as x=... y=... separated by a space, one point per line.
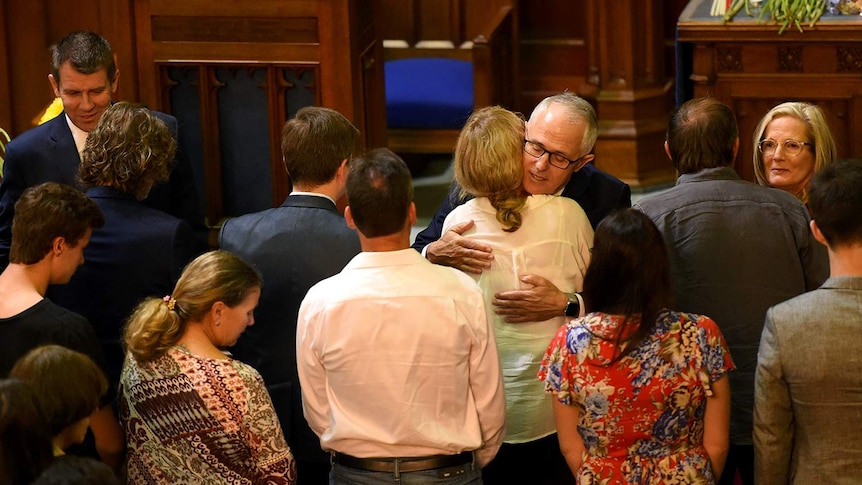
x=130 y=150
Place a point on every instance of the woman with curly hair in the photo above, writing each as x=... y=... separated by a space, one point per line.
x=543 y=235
x=641 y=392
x=139 y=251
x=192 y=414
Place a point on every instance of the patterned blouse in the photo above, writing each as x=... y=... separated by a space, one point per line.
x=641 y=417
x=190 y=420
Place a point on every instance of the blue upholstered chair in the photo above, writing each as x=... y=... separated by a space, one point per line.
x=431 y=91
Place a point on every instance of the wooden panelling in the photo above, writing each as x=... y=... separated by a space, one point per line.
x=5 y=75
x=288 y=30
x=253 y=68
x=257 y=8
x=248 y=52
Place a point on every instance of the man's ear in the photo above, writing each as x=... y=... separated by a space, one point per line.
x=343 y=169
x=585 y=160
x=348 y=218
x=54 y=85
x=735 y=148
x=116 y=81
x=667 y=151
x=58 y=245
x=818 y=234
x=411 y=214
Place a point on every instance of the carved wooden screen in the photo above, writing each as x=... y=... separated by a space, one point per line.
x=233 y=73
x=237 y=149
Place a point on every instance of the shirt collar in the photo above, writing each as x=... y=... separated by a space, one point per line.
x=314 y=194
x=377 y=259
x=78 y=134
x=717 y=173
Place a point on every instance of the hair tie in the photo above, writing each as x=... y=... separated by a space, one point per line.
x=170 y=302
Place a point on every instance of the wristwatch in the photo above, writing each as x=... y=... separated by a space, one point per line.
x=573 y=307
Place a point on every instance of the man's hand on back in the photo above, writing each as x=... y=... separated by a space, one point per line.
x=541 y=302
x=457 y=251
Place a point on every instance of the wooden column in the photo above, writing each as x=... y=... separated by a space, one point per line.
x=627 y=78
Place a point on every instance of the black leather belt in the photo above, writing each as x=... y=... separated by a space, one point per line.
x=403 y=465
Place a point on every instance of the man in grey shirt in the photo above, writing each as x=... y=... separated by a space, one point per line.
x=735 y=249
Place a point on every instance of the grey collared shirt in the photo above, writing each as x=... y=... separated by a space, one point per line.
x=735 y=250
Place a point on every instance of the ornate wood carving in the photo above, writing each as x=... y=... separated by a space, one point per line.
x=849 y=59
x=790 y=59
x=729 y=58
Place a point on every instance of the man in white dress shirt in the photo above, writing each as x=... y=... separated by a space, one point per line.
x=397 y=363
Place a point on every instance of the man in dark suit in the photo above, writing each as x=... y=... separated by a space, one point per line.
x=560 y=136
x=84 y=77
x=295 y=246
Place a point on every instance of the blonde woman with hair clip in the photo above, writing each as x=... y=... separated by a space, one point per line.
x=191 y=413
x=543 y=235
x=792 y=142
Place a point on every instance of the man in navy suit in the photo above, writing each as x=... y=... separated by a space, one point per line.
x=84 y=77
x=295 y=246
x=560 y=136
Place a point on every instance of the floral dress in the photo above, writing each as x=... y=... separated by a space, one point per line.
x=641 y=417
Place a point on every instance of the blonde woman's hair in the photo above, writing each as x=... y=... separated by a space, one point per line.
x=818 y=132
x=158 y=323
x=489 y=162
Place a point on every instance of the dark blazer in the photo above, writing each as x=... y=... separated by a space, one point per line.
x=138 y=253
x=294 y=246
x=595 y=191
x=47 y=153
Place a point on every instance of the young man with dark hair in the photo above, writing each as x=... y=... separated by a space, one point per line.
x=807 y=405
x=52 y=226
x=295 y=246
x=84 y=77
x=399 y=368
x=735 y=249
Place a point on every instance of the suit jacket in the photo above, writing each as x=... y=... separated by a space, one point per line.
x=595 y=191
x=294 y=246
x=808 y=388
x=138 y=253
x=47 y=153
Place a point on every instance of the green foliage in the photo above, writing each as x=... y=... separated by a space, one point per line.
x=785 y=13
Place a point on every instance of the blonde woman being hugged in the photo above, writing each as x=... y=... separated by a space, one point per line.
x=545 y=236
x=191 y=413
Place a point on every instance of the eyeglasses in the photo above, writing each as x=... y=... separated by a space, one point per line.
x=791 y=147
x=537 y=150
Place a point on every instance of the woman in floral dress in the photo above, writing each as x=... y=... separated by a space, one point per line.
x=638 y=403
x=191 y=413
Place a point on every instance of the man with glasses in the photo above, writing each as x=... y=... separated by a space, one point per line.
x=560 y=135
x=735 y=248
